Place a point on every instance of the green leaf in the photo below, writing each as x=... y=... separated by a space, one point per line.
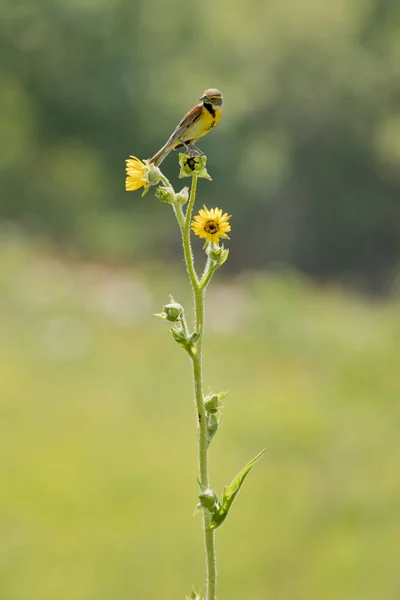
x=230 y=493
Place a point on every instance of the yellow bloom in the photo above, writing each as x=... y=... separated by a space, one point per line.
x=137 y=174
x=211 y=224
x=141 y=174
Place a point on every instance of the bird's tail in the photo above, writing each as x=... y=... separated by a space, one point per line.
x=161 y=154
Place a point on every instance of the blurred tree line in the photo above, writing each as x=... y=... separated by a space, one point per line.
x=306 y=158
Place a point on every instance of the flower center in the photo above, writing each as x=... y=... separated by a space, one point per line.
x=211 y=226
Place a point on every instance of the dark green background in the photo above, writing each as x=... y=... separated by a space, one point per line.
x=306 y=158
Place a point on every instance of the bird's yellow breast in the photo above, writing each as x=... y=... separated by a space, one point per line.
x=206 y=121
x=210 y=119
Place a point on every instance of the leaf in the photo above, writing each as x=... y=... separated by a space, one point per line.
x=230 y=493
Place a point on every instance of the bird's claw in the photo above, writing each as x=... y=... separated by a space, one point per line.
x=193 y=150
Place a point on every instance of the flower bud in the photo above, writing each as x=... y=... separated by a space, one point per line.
x=165 y=194
x=182 y=196
x=212 y=425
x=212 y=402
x=218 y=254
x=172 y=312
x=209 y=499
x=193 y=165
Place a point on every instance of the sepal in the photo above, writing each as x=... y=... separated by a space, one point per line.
x=153 y=176
x=182 y=196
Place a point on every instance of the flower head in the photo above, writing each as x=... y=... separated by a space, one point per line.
x=140 y=174
x=193 y=165
x=211 y=224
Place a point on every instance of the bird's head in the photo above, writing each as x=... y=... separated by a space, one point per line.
x=213 y=97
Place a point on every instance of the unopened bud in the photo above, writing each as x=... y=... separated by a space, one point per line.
x=165 y=194
x=172 y=312
x=212 y=402
x=212 y=425
x=209 y=499
x=218 y=254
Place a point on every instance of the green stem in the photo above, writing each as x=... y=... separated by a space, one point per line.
x=198 y=295
x=209 y=537
x=184 y=224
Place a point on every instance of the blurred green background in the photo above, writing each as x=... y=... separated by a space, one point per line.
x=97 y=428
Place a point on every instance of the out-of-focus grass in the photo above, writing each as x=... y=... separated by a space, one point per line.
x=98 y=451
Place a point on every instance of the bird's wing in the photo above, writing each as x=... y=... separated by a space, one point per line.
x=191 y=117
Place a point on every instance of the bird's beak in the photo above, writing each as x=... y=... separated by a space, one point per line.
x=202 y=98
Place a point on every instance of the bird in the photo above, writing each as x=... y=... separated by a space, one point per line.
x=197 y=122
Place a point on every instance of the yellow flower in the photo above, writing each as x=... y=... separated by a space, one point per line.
x=211 y=224
x=137 y=174
x=140 y=174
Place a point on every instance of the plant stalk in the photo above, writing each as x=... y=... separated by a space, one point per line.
x=198 y=296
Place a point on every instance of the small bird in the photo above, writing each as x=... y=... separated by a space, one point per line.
x=200 y=120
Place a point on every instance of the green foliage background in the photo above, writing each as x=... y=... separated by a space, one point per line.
x=98 y=448
x=306 y=158
x=95 y=400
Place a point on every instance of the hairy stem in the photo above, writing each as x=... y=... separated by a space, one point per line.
x=198 y=295
x=184 y=224
x=202 y=444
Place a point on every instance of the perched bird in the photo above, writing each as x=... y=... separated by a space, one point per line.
x=200 y=120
